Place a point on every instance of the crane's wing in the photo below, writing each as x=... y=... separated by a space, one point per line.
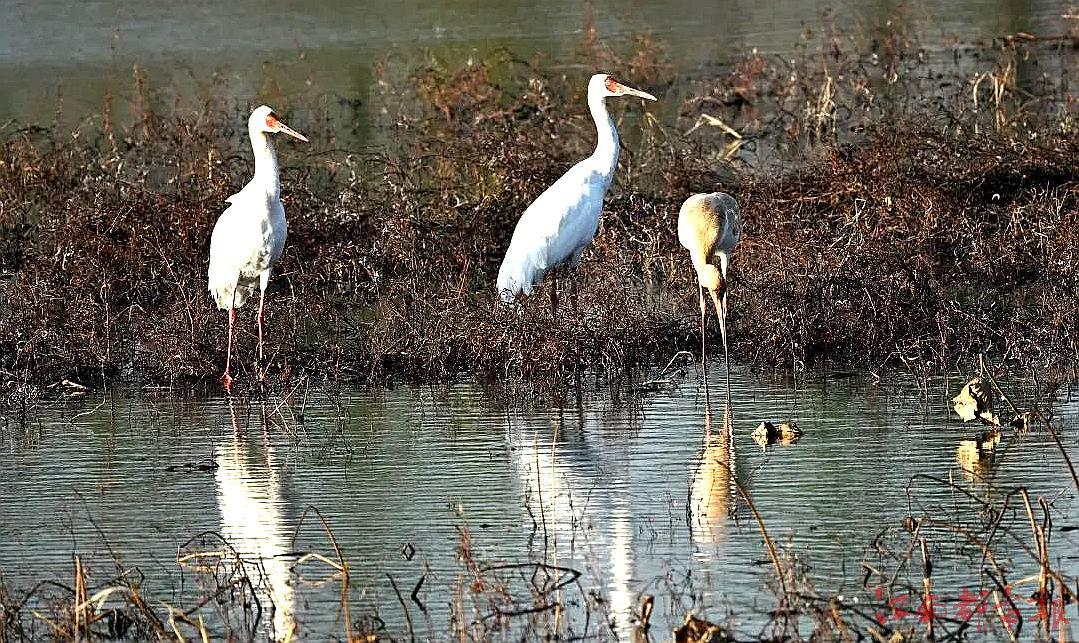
x=554 y=230
x=229 y=252
x=732 y=222
x=223 y=272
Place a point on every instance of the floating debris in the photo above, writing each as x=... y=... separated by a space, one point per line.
x=188 y=467
x=785 y=433
x=71 y=384
x=74 y=389
x=644 y=618
x=697 y=630
x=975 y=401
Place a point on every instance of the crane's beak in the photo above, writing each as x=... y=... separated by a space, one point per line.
x=285 y=129
x=626 y=90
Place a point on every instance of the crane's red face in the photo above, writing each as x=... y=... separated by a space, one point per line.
x=618 y=89
x=274 y=124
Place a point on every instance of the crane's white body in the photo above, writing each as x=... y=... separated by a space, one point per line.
x=556 y=228
x=249 y=236
x=709 y=225
x=247 y=240
x=559 y=225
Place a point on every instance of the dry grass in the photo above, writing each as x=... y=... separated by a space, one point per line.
x=901 y=210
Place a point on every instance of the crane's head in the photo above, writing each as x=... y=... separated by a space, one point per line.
x=709 y=277
x=605 y=85
x=263 y=119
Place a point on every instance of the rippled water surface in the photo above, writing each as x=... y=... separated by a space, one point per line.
x=636 y=497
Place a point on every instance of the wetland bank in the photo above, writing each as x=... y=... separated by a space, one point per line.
x=906 y=203
x=909 y=201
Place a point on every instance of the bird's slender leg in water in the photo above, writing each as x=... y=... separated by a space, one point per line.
x=226 y=379
x=721 y=313
x=264 y=420
x=704 y=354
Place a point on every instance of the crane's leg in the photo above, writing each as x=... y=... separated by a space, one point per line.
x=704 y=352
x=226 y=379
x=570 y=269
x=721 y=313
x=264 y=280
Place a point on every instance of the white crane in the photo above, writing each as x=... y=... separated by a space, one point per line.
x=709 y=226
x=250 y=235
x=559 y=225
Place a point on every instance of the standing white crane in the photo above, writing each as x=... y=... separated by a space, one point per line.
x=250 y=235
x=709 y=226
x=559 y=225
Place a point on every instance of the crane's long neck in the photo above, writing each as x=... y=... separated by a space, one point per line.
x=606 y=154
x=708 y=275
x=266 y=169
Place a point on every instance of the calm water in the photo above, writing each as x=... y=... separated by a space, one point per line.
x=271 y=49
x=603 y=490
x=638 y=499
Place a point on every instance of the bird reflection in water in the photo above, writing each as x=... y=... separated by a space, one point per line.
x=977 y=457
x=250 y=502
x=713 y=490
x=576 y=492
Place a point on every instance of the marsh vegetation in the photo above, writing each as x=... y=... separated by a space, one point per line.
x=907 y=204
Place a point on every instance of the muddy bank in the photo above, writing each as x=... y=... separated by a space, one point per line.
x=906 y=203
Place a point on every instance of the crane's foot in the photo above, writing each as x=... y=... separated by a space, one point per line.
x=226 y=381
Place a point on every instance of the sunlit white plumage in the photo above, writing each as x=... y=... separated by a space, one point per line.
x=709 y=226
x=250 y=235
x=559 y=225
x=253 y=522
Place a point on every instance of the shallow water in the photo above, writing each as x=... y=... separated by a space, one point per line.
x=270 y=50
x=602 y=490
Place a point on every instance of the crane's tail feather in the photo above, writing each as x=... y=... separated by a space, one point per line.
x=223 y=295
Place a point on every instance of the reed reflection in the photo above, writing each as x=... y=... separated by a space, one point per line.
x=250 y=502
